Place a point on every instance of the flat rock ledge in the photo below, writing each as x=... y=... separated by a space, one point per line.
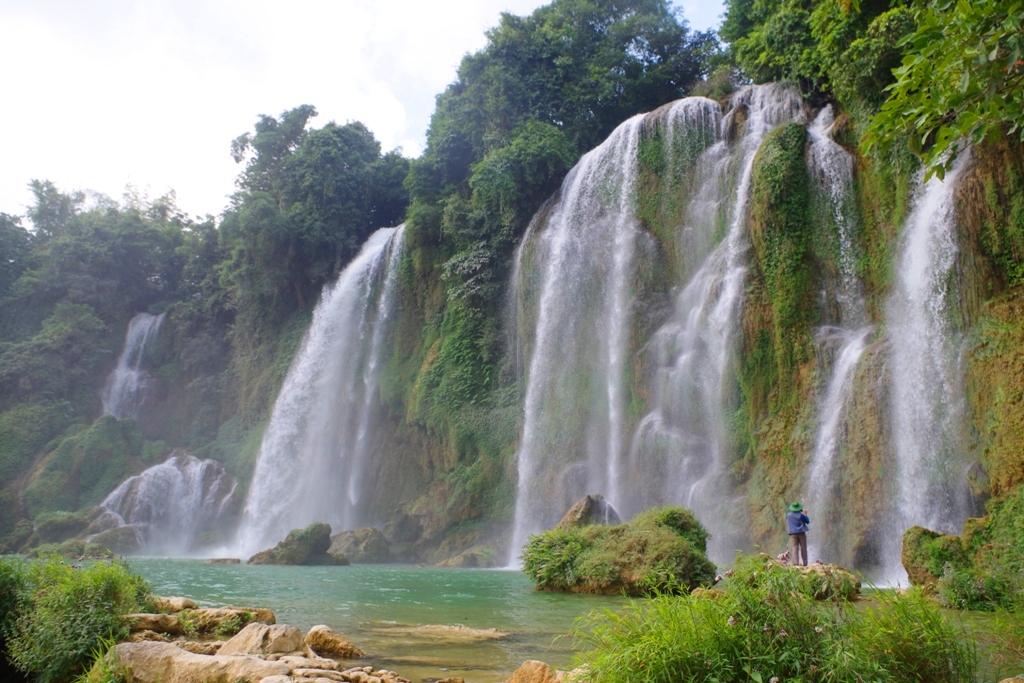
x=157 y=662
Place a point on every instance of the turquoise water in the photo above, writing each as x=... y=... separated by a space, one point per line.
x=379 y=606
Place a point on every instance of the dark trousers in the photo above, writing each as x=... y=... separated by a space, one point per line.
x=798 y=549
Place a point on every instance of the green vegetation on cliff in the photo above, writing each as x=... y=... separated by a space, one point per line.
x=661 y=550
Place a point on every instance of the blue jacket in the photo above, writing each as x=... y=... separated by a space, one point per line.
x=797 y=522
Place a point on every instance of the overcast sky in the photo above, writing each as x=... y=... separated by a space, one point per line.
x=99 y=94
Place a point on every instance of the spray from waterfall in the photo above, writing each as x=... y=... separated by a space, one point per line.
x=928 y=414
x=575 y=437
x=124 y=390
x=315 y=450
x=171 y=506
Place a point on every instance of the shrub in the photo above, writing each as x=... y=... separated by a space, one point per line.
x=661 y=550
x=818 y=581
x=67 y=615
x=757 y=631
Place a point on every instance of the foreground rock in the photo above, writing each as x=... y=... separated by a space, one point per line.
x=591 y=509
x=158 y=662
x=263 y=639
x=204 y=620
x=301 y=547
x=533 y=671
x=362 y=546
x=323 y=641
x=172 y=604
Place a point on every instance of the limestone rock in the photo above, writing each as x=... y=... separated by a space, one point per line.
x=277 y=679
x=474 y=558
x=218 y=619
x=123 y=540
x=263 y=639
x=139 y=636
x=362 y=546
x=591 y=509
x=157 y=623
x=301 y=546
x=403 y=528
x=223 y=560
x=200 y=647
x=152 y=662
x=323 y=641
x=299 y=662
x=533 y=671
x=1015 y=679
x=172 y=603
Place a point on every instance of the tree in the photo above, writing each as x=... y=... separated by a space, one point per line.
x=15 y=250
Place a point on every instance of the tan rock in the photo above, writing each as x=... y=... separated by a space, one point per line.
x=320 y=673
x=297 y=662
x=260 y=614
x=200 y=647
x=140 y=636
x=211 y=619
x=276 y=679
x=152 y=662
x=172 y=604
x=262 y=639
x=533 y=671
x=323 y=641
x=1015 y=679
x=158 y=623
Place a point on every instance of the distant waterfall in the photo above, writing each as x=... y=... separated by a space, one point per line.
x=843 y=341
x=581 y=262
x=315 y=447
x=123 y=393
x=928 y=413
x=171 y=505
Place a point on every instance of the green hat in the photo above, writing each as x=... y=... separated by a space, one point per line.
x=796 y=507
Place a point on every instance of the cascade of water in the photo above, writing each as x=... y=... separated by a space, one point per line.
x=123 y=393
x=684 y=438
x=844 y=341
x=927 y=406
x=574 y=437
x=321 y=428
x=171 y=505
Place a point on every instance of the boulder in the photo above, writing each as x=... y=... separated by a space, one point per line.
x=926 y=553
x=301 y=546
x=474 y=558
x=533 y=671
x=172 y=604
x=200 y=647
x=223 y=619
x=153 y=662
x=362 y=546
x=591 y=509
x=155 y=623
x=139 y=636
x=122 y=540
x=323 y=641
x=263 y=639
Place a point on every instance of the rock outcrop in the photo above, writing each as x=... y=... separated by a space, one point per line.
x=475 y=558
x=326 y=642
x=170 y=604
x=533 y=671
x=155 y=662
x=362 y=546
x=301 y=546
x=263 y=639
x=199 y=620
x=590 y=509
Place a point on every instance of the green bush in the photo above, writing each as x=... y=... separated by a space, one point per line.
x=662 y=550
x=67 y=614
x=757 y=632
x=819 y=582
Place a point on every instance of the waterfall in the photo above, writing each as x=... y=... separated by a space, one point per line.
x=575 y=437
x=928 y=414
x=844 y=340
x=314 y=452
x=172 y=505
x=125 y=388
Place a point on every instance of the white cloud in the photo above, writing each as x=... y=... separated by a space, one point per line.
x=108 y=92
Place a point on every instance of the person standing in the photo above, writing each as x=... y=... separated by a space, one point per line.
x=797 y=524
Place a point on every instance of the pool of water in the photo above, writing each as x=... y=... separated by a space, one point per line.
x=379 y=607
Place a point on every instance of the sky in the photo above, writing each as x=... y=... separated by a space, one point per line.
x=105 y=94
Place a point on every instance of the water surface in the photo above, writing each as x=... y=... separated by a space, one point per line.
x=379 y=606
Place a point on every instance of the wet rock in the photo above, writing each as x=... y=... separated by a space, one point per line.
x=263 y=639
x=323 y=641
x=152 y=662
x=123 y=540
x=403 y=528
x=362 y=546
x=223 y=560
x=446 y=633
x=172 y=604
x=307 y=546
x=591 y=509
